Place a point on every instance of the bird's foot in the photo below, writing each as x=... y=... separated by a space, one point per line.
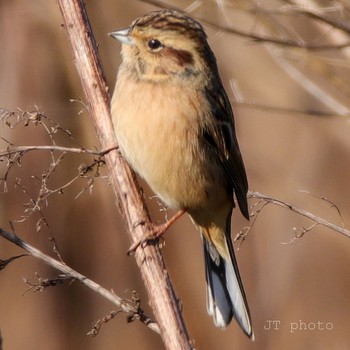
x=155 y=232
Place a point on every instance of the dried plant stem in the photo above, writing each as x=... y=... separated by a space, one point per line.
x=23 y=149
x=150 y=261
x=260 y=38
x=125 y=305
x=299 y=211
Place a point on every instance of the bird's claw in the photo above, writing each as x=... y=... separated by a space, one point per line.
x=156 y=232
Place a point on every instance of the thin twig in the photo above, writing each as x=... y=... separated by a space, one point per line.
x=22 y=149
x=316 y=219
x=294 y=9
x=4 y=263
x=98 y=324
x=124 y=304
x=271 y=108
x=257 y=37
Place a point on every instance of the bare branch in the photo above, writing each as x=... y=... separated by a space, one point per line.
x=125 y=305
x=99 y=323
x=44 y=283
x=258 y=37
x=318 y=15
x=332 y=204
x=88 y=172
x=4 y=263
x=257 y=209
x=314 y=218
x=34 y=117
x=270 y=108
x=53 y=148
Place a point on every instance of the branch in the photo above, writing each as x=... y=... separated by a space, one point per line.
x=53 y=148
x=257 y=37
x=271 y=108
x=295 y=9
x=23 y=149
x=149 y=260
x=124 y=304
x=277 y=41
x=4 y=263
x=314 y=218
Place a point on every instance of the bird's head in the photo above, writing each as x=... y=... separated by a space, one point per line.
x=164 y=45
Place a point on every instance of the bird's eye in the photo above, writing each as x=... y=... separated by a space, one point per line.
x=154 y=44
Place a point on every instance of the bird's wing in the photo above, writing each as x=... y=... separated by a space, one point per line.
x=222 y=138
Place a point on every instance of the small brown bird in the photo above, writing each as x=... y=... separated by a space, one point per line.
x=174 y=125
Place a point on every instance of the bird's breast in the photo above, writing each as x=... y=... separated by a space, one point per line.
x=159 y=131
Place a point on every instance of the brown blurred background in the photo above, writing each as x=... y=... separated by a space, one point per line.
x=295 y=283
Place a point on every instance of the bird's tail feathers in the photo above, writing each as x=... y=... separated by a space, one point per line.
x=225 y=294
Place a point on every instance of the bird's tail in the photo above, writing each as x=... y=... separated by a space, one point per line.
x=225 y=293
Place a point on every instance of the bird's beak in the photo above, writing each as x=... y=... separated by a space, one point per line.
x=123 y=36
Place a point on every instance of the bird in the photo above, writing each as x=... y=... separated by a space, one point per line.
x=174 y=125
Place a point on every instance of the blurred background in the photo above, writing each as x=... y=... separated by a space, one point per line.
x=292 y=117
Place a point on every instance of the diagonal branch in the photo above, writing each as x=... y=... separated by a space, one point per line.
x=259 y=38
x=149 y=260
x=297 y=9
x=314 y=218
x=125 y=305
